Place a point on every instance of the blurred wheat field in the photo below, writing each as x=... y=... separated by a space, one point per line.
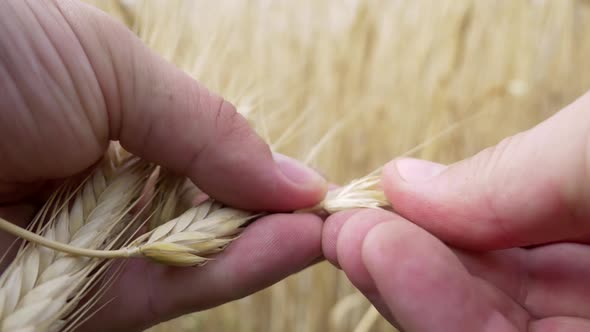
x=349 y=85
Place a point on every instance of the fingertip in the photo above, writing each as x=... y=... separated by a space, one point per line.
x=396 y=247
x=389 y=255
x=419 y=192
x=408 y=174
x=244 y=174
x=298 y=185
x=379 y=247
x=349 y=244
x=300 y=175
x=397 y=253
x=415 y=171
x=330 y=231
x=397 y=191
x=414 y=271
x=343 y=232
x=390 y=180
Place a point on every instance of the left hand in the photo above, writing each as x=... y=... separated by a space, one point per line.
x=71 y=79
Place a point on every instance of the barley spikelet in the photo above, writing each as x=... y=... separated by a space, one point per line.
x=41 y=285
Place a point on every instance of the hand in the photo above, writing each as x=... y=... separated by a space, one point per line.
x=495 y=243
x=71 y=79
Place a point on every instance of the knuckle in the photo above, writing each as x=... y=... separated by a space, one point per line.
x=228 y=123
x=488 y=162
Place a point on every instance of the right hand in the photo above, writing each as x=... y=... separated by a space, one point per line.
x=496 y=242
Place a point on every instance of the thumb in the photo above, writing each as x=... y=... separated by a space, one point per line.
x=531 y=188
x=161 y=114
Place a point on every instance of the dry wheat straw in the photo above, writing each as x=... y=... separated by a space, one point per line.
x=41 y=286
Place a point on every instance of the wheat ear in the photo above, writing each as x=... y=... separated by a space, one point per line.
x=207 y=228
x=41 y=285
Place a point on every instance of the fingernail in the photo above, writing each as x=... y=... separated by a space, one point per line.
x=297 y=172
x=416 y=170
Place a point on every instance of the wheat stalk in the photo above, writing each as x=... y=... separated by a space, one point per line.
x=40 y=285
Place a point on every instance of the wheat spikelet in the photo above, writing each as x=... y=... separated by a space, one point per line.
x=360 y=193
x=174 y=196
x=40 y=285
x=188 y=239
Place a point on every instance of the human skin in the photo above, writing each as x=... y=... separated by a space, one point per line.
x=71 y=80
x=496 y=242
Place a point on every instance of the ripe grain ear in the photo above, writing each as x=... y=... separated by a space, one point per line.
x=41 y=285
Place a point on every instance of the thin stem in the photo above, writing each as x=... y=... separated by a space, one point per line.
x=65 y=248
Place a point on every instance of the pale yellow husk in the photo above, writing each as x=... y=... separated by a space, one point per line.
x=41 y=287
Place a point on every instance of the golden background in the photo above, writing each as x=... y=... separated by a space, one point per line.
x=348 y=85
